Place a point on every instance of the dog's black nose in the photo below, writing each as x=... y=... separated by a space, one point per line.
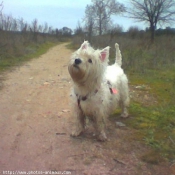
x=77 y=61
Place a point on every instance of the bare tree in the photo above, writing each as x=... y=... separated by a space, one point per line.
x=153 y=12
x=79 y=30
x=23 y=26
x=89 y=21
x=114 y=30
x=1 y=7
x=50 y=30
x=34 y=30
x=34 y=26
x=7 y=22
x=40 y=28
x=1 y=16
x=14 y=25
x=101 y=11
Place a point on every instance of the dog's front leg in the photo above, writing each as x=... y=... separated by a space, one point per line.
x=79 y=123
x=100 y=127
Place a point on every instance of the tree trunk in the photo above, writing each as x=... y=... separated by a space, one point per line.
x=90 y=34
x=152 y=29
x=100 y=28
x=100 y=24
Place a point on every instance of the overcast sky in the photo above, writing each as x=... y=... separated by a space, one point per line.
x=57 y=13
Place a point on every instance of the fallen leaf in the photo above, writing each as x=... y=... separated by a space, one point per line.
x=65 y=110
x=60 y=114
x=46 y=83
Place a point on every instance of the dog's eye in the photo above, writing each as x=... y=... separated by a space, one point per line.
x=89 y=60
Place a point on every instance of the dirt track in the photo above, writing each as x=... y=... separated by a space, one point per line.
x=35 y=126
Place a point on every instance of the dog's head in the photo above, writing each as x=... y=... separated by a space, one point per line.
x=87 y=64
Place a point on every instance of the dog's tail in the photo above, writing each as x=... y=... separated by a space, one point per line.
x=118 y=59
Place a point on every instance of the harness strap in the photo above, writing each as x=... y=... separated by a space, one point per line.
x=79 y=99
x=112 y=90
x=83 y=98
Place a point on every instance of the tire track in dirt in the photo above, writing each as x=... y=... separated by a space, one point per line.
x=35 y=122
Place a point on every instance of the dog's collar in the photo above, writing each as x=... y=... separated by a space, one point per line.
x=83 y=98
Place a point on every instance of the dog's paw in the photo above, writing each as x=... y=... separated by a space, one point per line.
x=102 y=137
x=124 y=115
x=76 y=133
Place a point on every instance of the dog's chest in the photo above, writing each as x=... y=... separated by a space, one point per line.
x=89 y=104
x=98 y=102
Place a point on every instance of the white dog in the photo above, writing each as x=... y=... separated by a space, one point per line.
x=98 y=89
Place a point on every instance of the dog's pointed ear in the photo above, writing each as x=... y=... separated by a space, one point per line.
x=85 y=45
x=104 y=54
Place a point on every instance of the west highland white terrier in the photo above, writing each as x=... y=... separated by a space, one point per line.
x=98 y=89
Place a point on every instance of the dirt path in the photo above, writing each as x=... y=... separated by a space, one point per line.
x=35 y=122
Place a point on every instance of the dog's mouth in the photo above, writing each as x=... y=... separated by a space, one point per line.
x=76 y=73
x=76 y=66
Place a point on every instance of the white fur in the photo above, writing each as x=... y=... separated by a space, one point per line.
x=95 y=81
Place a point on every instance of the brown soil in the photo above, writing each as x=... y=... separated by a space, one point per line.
x=35 y=126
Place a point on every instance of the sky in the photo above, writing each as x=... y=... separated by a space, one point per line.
x=58 y=13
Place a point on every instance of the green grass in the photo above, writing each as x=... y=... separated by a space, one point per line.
x=37 y=50
x=156 y=123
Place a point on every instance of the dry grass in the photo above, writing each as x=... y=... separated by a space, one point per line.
x=17 y=47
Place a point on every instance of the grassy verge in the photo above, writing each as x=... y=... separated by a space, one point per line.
x=151 y=65
x=156 y=123
x=32 y=51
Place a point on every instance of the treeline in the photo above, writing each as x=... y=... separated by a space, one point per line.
x=133 y=32
x=18 y=38
x=8 y=23
x=98 y=15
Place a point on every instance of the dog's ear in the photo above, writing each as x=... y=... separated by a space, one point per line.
x=104 y=54
x=85 y=45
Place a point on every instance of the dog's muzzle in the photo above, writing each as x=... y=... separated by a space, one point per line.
x=75 y=70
